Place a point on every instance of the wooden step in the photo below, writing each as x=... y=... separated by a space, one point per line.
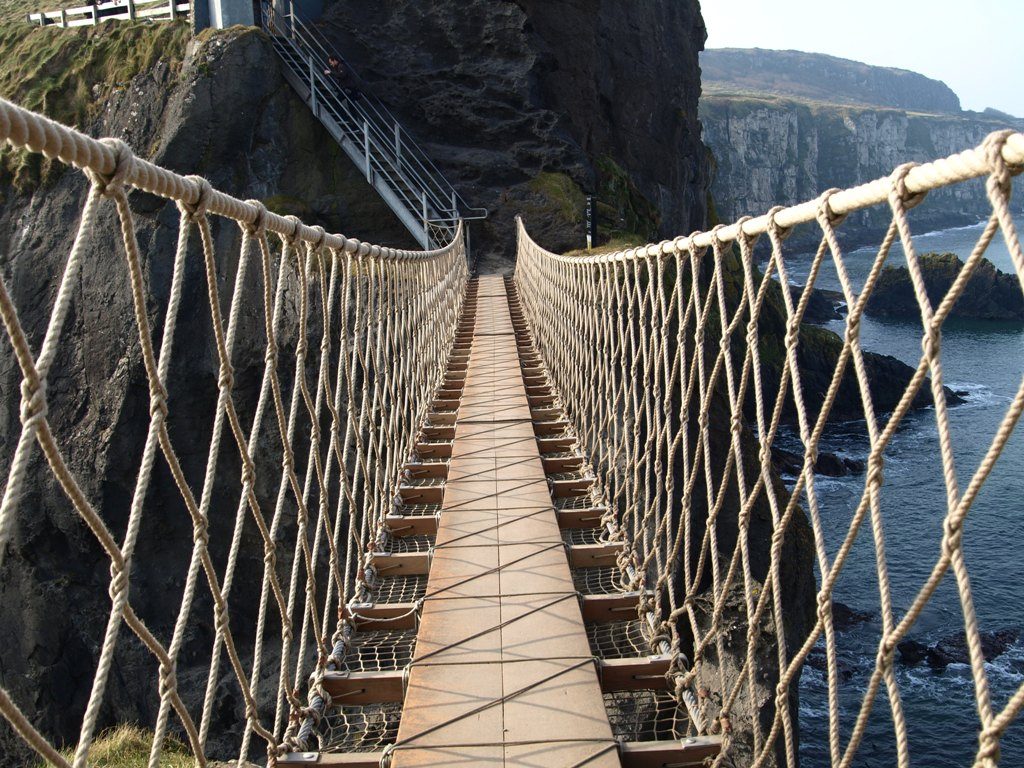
x=646 y=673
x=422 y=494
x=563 y=489
x=402 y=563
x=600 y=609
x=411 y=525
x=427 y=469
x=333 y=759
x=678 y=753
x=383 y=687
x=536 y=400
x=593 y=555
x=440 y=450
x=439 y=431
x=557 y=464
x=556 y=444
x=580 y=518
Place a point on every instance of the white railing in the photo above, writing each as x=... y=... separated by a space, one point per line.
x=118 y=10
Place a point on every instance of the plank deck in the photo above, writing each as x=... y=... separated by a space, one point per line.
x=502 y=673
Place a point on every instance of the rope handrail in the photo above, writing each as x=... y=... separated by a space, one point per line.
x=355 y=340
x=680 y=364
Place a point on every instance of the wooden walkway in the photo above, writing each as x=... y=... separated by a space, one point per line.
x=503 y=673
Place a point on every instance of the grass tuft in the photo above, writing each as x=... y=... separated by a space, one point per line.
x=127 y=746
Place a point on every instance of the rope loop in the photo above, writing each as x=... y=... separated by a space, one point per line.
x=258 y=226
x=124 y=166
x=292 y=238
x=775 y=229
x=1000 y=173
x=828 y=218
x=204 y=194
x=898 y=179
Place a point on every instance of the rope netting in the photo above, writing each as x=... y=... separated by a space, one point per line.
x=372 y=329
x=660 y=356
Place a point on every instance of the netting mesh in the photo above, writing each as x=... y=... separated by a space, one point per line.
x=576 y=536
x=600 y=580
x=398 y=589
x=618 y=639
x=646 y=716
x=685 y=366
x=359 y=728
x=379 y=650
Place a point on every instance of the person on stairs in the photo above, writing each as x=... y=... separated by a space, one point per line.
x=342 y=76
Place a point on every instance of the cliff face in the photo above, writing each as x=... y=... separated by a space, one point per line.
x=785 y=126
x=504 y=92
x=815 y=76
x=781 y=151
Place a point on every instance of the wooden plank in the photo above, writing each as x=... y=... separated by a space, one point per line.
x=427 y=469
x=434 y=450
x=383 y=687
x=554 y=464
x=646 y=673
x=421 y=494
x=439 y=431
x=593 y=555
x=564 y=489
x=333 y=760
x=550 y=428
x=616 y=607
x=402 y=563
x=411 y=525
x=693 y=750
x=555 y=444
x=581 y=518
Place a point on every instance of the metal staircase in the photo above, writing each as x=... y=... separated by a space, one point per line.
x=412 y=186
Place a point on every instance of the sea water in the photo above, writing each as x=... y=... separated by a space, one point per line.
x=985 y=360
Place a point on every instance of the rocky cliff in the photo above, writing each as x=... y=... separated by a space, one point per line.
x=529 y=104
x=773 y=149
x=817 y=77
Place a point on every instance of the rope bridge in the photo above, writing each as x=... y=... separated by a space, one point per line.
x=656 y=357
x=374 y=327
x=658 y=353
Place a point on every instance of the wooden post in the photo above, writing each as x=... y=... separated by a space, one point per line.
x=63 y=18
x=172 y=9
x=131 y=10
x=95 y=15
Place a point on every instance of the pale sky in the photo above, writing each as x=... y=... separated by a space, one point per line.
x=976 y=47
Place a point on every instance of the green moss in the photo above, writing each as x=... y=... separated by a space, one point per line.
x=127 y=746
x=623 y=210
x=617 y=243
x=68 y=74
x=562 y=193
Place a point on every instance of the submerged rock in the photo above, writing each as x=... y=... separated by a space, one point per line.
x=844 y=617
x=989 y=294
x=828 y=464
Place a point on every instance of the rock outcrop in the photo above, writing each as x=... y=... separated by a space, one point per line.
x=953 y=649
x=988 y=295
x=775 y=145
x=604 y=93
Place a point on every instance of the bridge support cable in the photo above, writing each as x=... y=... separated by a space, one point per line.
x=679 y=364
x=352 y=342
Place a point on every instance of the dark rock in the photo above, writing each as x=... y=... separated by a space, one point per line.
x=953 y=648
x=818 y=659
x=989 y=294
x=498 y=97
x=912 y=652
x=823 y=305
x=844 y=617
x=829 y=464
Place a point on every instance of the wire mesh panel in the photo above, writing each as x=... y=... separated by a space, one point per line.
x=379 y=650
x=399 y=589
x=646 y=716
x=600 y=580
x=618 y=639
x=359 y=728
x=578 y=536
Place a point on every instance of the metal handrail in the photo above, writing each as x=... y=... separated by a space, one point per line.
x=390 y=153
